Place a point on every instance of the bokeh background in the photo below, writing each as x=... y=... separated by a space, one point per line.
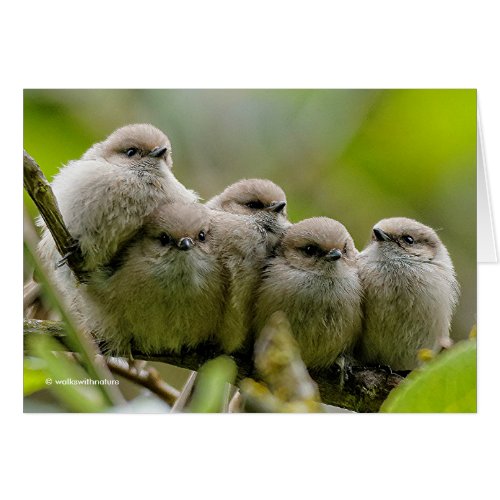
x=354 y=155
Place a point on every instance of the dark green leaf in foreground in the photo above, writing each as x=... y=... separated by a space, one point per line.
x=211 y=385
x=447 y=384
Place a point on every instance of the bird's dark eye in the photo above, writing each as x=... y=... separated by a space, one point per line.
x=312 y=250
x=164 y=239
x=408 y=239
x=202 y=236
x=131 y=152
x=255 y=205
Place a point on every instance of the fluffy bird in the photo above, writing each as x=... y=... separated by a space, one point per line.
x=313 y=278
x=106 y=194
x=243 y=247
x=163 y=290
x=260 y=199
x=249 y=219
x=410 y=293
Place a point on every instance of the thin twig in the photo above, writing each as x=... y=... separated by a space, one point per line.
x=41 y=193
x=235 y=403
x=185 y=394
x=146 y=377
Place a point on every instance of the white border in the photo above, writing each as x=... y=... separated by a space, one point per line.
x=258 y=44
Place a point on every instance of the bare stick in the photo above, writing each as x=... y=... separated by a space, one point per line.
x=185 y=394
x=147 y=377
x=41 y=193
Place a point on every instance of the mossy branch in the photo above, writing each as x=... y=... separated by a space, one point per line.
x=41 y=193
x=364 y=390
x=286 y=384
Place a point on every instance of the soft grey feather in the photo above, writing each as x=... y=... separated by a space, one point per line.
x=249 y=218
x=105 y=196
x=156 y=295
x=261 y=199
x=410 y=293
x=321 y=297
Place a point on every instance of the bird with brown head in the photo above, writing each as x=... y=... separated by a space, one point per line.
x=261 y=199
x=163 y=290
x=105 y=196
x=313 y=279
x=410 y=293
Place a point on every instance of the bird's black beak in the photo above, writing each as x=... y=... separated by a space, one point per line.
x=277 y=206
x=333 y=255
x=185 y=243
x=157 y=152
x=380 y=235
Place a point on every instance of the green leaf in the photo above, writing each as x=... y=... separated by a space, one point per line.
x=447 y=384
x=211 y=386
x=34 y=376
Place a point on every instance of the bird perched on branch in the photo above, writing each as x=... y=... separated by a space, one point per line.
x=410 y=293
x=106 y=194
x=163 y=290
x=188 y=275
x=249 y=218
x=261 y=199
x=242 y=247
x=313 y=279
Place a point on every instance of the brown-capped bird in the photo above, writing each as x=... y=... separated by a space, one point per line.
x=313 y=279
x=106 y=194
x=242 y=247
x=410 y=293
x=164 y=289
x=260 y=199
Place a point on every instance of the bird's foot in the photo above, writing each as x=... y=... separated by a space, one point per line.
x=73 y=249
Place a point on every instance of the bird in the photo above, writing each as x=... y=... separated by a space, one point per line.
x=164 y=289
x=242 y=247
x=105 y=195
x=249 y=218
x=260 y=199
x=313 y=279
x=410 y=293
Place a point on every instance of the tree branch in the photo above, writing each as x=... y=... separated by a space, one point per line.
x=146 y=377
x=364 y=390
x=41 y=193
x=287 y=386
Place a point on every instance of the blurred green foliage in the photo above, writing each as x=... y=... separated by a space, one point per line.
x=70 y=382
x=212 y=385
x=354 y=155
x=446 y=384
x=34 y=375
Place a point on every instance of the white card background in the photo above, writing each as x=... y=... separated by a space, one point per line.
x=486 y=248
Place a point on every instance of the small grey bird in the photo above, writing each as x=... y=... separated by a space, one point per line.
x=249 y=218
x=261 y=199
x=410 y=293
x=164 y=289
x=242 y=247
x=105 y=196
x=314 y=280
